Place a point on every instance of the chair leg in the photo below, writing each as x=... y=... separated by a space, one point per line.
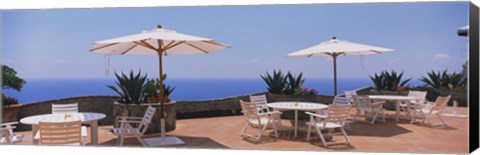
x=275 y=130
x=321 y=136
x=261 y=132
x=374 y=117
x=441 y=119
x=122 y=138
x=308 y=132
x=412 y=119
x=345 y=135
x=244 y=129
x=356 y=115
x=383 y=116
x=139 y=138
x=83 y=141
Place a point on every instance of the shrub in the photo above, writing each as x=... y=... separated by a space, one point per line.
x=276 y=83
x=6 y=100
x=10 y=80
x=444 y=80
x=132 y=88
x=294 y=83
x=154 y=89
x=389 y=81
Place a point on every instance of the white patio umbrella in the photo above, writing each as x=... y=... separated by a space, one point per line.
x=336 y=48
x=159 y=42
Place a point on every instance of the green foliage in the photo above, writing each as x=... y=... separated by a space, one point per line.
x=294 y=84
x=389 y=80
x=276 y=82
x=443 y=79
x=6 y=100
x=154 y=89
x=10 y=80
x=131 y=88
x=465 y=73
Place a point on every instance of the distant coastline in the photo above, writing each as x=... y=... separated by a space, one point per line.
x=185 y=89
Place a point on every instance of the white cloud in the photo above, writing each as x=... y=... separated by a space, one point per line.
x=441 y=56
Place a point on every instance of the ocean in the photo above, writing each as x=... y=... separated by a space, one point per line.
x=185 y=89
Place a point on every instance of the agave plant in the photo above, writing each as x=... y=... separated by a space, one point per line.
x=154 y=88
x=276 y=82
x=378 y=81
x=131 y=88
x=389 y=80
x=444 y=80
x=293 y=83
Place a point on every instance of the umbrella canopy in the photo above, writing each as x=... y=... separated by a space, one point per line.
x=160 y=42
x=336 y=48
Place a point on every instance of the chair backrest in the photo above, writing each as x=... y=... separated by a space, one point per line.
x=60 y=132
x=350 y=94
x=147 y=118
x=362 y=102
x=340 y=100
x=440 y=103
x=249 y=111
x=259 y=100
x=64 y=108
x=337 y=113
x=419 y=95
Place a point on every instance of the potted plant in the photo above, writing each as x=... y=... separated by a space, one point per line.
x=442 y=83
x=10 y=80
x=389 y=83
x=137 y=93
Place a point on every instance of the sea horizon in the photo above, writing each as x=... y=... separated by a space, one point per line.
x=43 y=89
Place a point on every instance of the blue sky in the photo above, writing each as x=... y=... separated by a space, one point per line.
x=55 y=43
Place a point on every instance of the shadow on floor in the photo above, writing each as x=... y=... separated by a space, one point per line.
x=190 y=142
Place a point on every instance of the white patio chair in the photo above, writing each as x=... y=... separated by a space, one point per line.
x=419 y=96
x=261 y=102
x=350 y=94
x=336 y=118
x=7 y=134
x=343 y=100
x=364 y=105
x=64 y=108
x=431 y=108
x=260 y=121
x=126 y=127
x=60 y=133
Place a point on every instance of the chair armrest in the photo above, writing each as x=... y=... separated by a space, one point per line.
x=316 y=115
x=378 y=102
x=125 y=117
x=9 y=123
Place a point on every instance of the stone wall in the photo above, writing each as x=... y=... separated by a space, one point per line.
x=184 y=109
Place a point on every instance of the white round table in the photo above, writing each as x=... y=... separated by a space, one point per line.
x=304 y=106
x=398 y=100
x=85 y=117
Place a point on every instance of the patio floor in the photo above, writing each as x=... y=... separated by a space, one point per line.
x=224 y=133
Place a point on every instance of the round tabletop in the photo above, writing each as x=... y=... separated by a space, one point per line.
x=390 y=97
x=297 y=106
x=63 y=117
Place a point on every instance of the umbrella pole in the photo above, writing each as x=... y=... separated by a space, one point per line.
x=160 y=95
x=334 y=56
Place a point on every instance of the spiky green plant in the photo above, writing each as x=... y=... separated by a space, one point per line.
x=294 y=83
x=444 y=79
x=389 y=80
x=131 y=88
x=154 y=88
x=433 y=80
x=378 y=81
x=276 y=82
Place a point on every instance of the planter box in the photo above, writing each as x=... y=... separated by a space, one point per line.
x=138 y=110
x=10 y=113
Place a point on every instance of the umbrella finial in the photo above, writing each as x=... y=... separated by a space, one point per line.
x=334 y=37
x=159 y=26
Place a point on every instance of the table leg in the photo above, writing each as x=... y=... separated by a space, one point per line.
x=94 y=132
x=296 y=123
x=35 y=129
x=397 y=108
